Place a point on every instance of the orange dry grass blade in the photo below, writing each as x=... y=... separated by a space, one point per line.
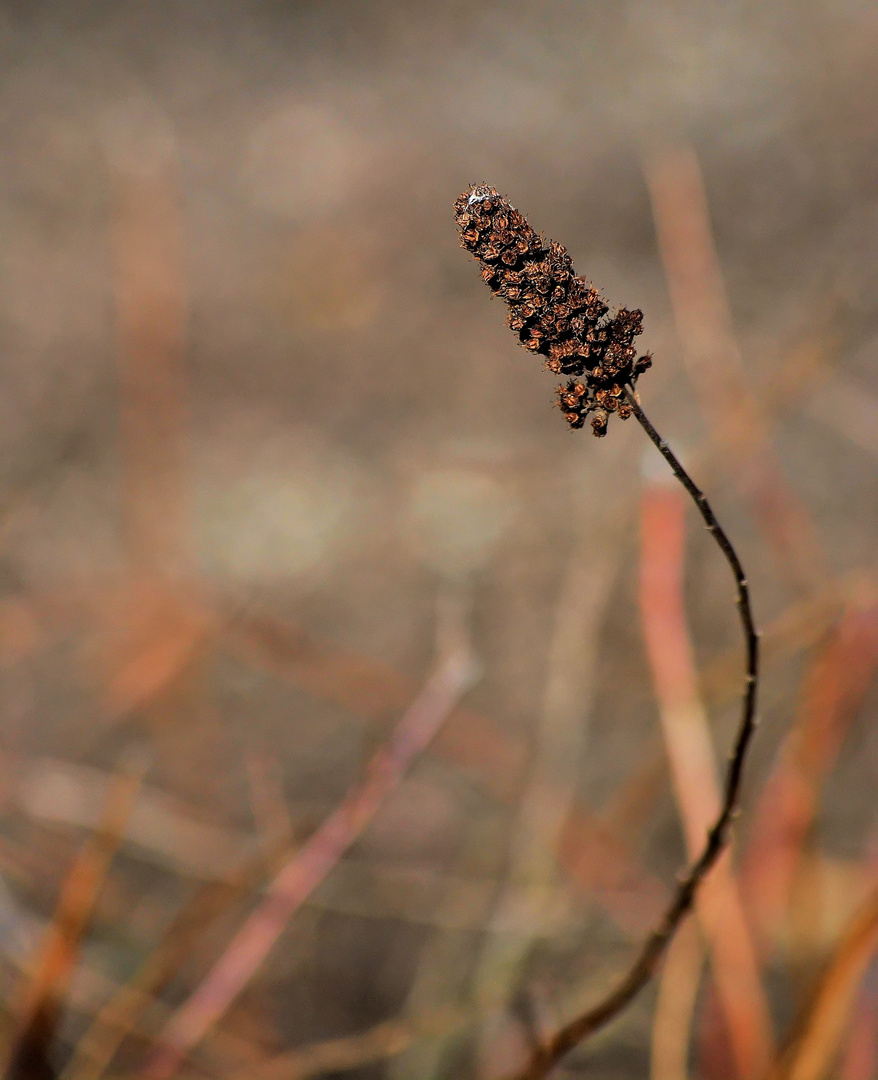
x=47 y=989
x=675 y=1005
x=120 y=1015
x=693 y=770
x=861 y=1053
x=310 y=865
x=161 y=669
x=154 y=633
x=818 y=1034
x=156 y=641
x=713 y=358
x=151 y=314
x=839 y=676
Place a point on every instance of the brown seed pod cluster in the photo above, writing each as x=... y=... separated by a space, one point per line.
x=554 y=312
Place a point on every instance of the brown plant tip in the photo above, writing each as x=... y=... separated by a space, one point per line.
x=554 y=312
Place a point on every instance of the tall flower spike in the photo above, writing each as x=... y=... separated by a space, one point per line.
x=554 y=312
x=562 y=317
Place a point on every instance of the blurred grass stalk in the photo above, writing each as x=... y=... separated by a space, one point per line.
x=675 y=1004
x=44 y=995
x=526 y=907
x=549 y=796
x=151 y=313
x=309 y=866
x=739 y=425
x=735 y=418
x=861 y=1052
x=838 y=677
x=158 y=624
x=152 y=320
x=814 y=1045
x=691 y=757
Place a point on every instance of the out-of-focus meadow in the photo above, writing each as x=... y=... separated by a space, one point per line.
x=356 y=716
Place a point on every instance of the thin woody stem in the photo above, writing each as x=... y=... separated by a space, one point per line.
x=644 y=967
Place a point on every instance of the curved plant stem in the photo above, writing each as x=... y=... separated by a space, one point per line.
x=570 y=1035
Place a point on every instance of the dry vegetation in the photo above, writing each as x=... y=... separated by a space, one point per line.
x=356 y=717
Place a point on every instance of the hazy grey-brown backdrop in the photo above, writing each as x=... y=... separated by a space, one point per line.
x=263 y=431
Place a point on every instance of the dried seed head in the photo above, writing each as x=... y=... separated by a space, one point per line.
x=552 y=310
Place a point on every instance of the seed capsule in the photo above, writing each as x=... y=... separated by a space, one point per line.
x=554 y=312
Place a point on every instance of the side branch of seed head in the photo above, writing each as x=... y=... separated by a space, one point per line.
x=554 y=312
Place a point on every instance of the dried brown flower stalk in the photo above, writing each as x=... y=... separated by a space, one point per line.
x=553 y=311
x=559 y=315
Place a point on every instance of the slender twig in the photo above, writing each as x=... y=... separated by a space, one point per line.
x=563 y=318
x=644 y=967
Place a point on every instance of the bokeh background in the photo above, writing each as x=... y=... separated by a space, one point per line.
x=278 y=484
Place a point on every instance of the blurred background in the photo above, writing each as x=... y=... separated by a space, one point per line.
x=289 y=524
